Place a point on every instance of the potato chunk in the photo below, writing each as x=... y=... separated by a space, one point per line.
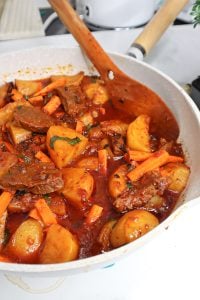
x=18 y=134
x=138 y=134
x=78 y=185
x=89 y=163
x=96 y=92
x=25 y=242
x=28 y=87
x=178 y=175
x=131 y=226
x=60 y=246
x=3 y=92
x=70 y=79
x=117 y=181
x=64 y=145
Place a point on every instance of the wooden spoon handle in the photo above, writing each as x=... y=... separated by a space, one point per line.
x=75 y=25
x=158 y=24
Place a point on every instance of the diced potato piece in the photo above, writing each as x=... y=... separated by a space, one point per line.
x=70 y=79
x=96 y=92
x=118 y=181
x=155 y=202
x=138 y=134
x=114 y=126
x=78 y=186
x=89 y=163
x=104 y=236
x=25 y=242
x=28 y=87
x=3 y=92
x=2 y=228
x=64 y=145
x=131 y=226
x=18 y=134
x=60 y=246
x=178 y=174
x=87 y=119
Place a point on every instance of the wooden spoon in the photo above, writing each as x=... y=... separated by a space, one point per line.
x=126 y=93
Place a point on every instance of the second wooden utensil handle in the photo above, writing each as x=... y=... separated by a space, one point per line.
x=158 y=24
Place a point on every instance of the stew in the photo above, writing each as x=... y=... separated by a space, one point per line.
x=77 y=176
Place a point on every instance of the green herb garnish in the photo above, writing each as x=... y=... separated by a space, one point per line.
x=196 y=13
x=26 y=97
x=25 y=158
x=47 y=198
x=129 y=185
x=71 y=142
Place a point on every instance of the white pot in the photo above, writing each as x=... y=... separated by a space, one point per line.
x=42 y=62
x=116 y=13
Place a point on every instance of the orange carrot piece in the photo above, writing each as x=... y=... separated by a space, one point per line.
x=174 y=159
x=42 y=157
x=50 y=87
x=16 y=95
x=158 y=159
x=5 y=199
x=37 y=100
x=9 y=147
x=4 y=259
x=138 y=155
x=45 y=212
x=35 y=214
x=79 y=126
x=103 y=161
x=52 y=105
x=94 y=214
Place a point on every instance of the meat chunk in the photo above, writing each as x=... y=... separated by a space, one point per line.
x=38 y=178
x=22 y=203
x=72 y=100
x=32 y=118
x=118 y=146
x=7 y=160
x=138 y=195
x=114 y=126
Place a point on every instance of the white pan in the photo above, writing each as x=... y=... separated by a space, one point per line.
x=43 y=62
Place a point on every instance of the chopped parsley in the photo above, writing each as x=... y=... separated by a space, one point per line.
x=71 y=142
x=129 y=185
x=47 y=198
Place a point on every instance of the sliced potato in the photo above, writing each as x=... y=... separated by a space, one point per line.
x=60 y=246
x=178 y=175
x=78 y=186
x=18 y=134
x=96 y=92
x=28 y=87
x=131 y=226
x=87 y=119
x=70 y=79
x=117 y=181
x=104 y=236
x=25 y=242
x=6 y=112
x=3 y=92
x=64 y=145
x=88 y=163
x=138 y=134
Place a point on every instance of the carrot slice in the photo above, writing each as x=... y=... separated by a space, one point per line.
x=36 y=100
x=45 y=212
x=42 y=157
x=158 y=159
x=16 y=95
x=5 y=199
x=52 y=105
x=79 y=126
x=94 y=214
x=138 y=155
x=35 y=214
x=174 y=159
x=103 y=161
x=50 y=87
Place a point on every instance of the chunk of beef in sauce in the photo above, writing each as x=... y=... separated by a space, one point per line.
x=22 y=202
x=32 y=118
x=38 y=178
x=73 y=100
x=142 y=191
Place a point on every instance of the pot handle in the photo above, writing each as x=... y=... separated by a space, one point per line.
x=153 y=31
